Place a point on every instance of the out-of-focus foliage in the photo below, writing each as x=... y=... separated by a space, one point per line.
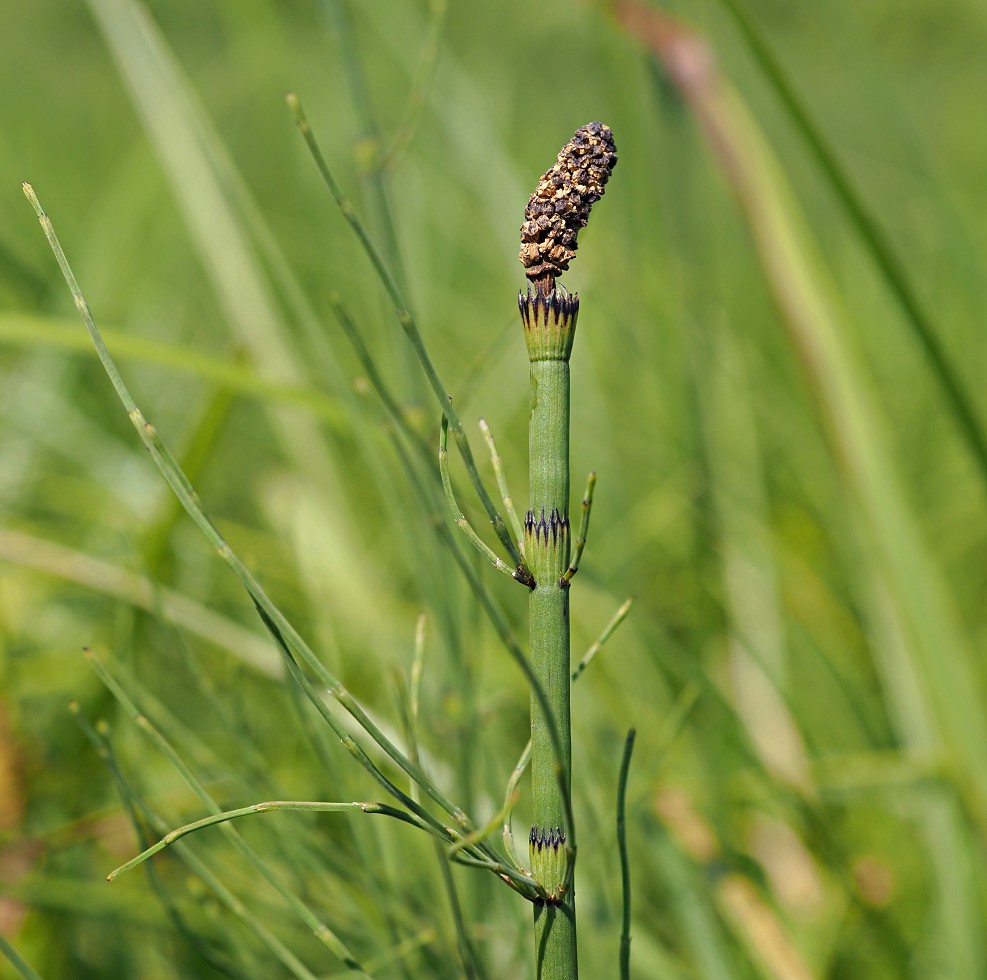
x=818 y=810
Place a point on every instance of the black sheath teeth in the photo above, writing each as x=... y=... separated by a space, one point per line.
x=553 y=837
x=553 y=526
x=540 y=308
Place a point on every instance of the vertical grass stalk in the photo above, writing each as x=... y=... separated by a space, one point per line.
x=556 y=211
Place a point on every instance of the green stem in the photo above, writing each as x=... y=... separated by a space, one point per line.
x=625 y=868
x=549 y=323
x=521 y=767
x=410 y=328
x=23 y=968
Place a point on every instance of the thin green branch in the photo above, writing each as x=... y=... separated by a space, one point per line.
x=410 y=711
x=505 y=493
x=417 y=96
x=457 y=515
x=520 y=881
x=359 y=93
x=587 y=506
x=351 y=745
x=410 y=328
x=478 y=835
x=286 y=634
x=625 y=870
x=133 y=802
x=217 y=818
x=511 y=795
x=346 y=321
x=618 y=617
x=319 y=929
x=20 y=965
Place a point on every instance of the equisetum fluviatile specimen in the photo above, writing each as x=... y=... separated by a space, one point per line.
x=540 y=556
x=556 y=212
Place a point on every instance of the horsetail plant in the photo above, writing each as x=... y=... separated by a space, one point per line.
x=542 y=559
x=556 y=212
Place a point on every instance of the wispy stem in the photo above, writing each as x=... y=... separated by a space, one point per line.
x=501 y=477
x=583 y=529
x=625 y=870
x=134 y=804
x=286 y=635
x=267 y=807
x=410 y=328
x=457 y=515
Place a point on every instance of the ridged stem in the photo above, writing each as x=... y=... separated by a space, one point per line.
x=549 y=322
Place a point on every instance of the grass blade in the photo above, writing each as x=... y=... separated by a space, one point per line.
x=875 y=241
x=934 y=652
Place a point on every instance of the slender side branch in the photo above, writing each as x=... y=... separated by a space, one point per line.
x=288 y=638
x=141 y=814
x=505 y=493
x=618 y=617
x=526 y=886
x=21 y=966
x=479 y=834
x=583 y=530
x=246 y=811
x=422 y=79
x=510 y=795
x=457 y=515
x=410 y=328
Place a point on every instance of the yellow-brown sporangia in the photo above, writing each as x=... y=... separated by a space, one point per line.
x=561 y=203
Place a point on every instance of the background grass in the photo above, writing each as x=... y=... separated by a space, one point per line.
x=783 y=483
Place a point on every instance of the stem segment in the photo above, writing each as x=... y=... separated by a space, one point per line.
x=549 y=320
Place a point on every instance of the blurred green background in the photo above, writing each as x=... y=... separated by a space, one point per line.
x=786 y=482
